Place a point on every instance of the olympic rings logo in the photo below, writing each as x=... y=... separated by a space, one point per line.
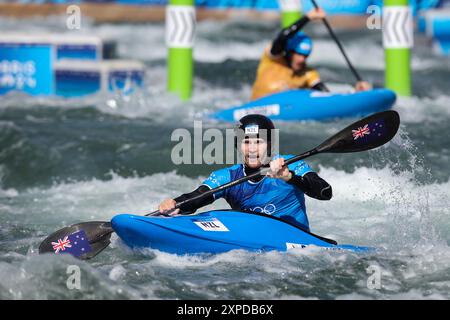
x=268 y=209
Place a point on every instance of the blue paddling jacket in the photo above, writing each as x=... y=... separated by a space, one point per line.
x=271 y=196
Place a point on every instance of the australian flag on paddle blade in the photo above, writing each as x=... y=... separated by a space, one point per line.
x=76 y=244
x=370 y=132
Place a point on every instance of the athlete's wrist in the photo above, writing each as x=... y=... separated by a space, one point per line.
x=287 y=177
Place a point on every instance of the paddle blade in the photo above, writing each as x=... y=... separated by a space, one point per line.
x=83 y=240
x=365 y=134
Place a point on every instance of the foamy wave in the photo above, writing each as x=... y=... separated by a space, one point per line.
x=417 y=110
x=369 y=206
x=100 y=199
x=381 y=207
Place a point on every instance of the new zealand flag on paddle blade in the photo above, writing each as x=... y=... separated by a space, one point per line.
x=370 y=132
x=76 y=244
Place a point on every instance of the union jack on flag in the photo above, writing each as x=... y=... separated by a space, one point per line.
x=61 y=245
x=360 y=132
x=76 y=244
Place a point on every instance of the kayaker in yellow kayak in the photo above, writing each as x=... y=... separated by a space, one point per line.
x=283 y=64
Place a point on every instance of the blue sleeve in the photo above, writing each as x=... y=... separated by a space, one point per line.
x=216 y=179
x=300 y=167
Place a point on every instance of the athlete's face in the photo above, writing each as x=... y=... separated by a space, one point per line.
x=298 y=62
x=254 y=151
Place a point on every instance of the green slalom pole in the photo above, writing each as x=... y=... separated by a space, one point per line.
x=180 y=33
x=291 y=11
x=398 y=39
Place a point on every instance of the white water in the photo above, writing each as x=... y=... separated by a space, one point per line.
x=369 y=206
x=376 y=207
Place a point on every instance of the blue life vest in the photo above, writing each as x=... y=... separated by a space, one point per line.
x=270 y=195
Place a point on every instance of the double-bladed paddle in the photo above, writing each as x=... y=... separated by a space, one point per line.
x=87 y=239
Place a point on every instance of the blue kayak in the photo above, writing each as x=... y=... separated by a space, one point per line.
x=216 y=232
x=305 y=104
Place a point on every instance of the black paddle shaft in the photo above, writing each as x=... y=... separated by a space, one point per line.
x=333 y=35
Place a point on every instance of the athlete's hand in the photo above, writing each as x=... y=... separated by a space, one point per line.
x=167 y=206
x=316 y=14
x=279 y=170
x=363 y=86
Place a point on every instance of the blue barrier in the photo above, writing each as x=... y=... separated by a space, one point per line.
x=57 y=64
x=436 y=24
x=442 y=47
x=26 y=67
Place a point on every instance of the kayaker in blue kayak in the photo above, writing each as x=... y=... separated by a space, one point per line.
x=280 y=193
x=283 y=64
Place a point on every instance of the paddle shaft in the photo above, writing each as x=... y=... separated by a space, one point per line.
x=262 y=171
x=333 y=35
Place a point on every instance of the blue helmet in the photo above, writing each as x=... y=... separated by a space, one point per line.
x=299 y=43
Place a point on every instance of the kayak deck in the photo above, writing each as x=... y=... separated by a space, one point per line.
x=216 y=232
x=304 y=104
